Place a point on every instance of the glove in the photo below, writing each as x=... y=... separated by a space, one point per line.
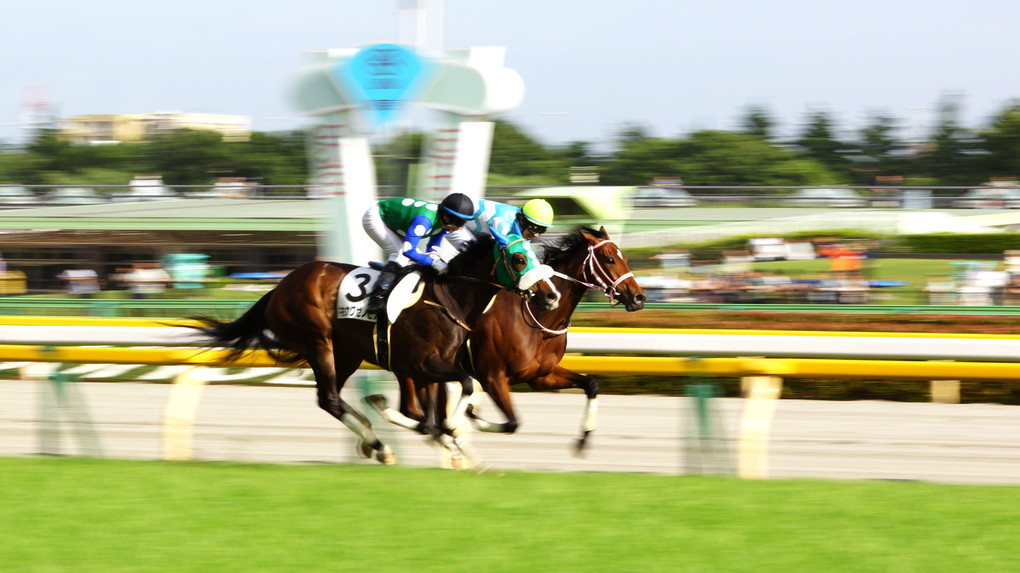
x=440 y=266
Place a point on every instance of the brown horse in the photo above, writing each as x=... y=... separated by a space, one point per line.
x=516 y=342
x=298 y=321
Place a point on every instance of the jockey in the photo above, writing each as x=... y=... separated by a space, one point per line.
x=398 y=225
x=500 y=220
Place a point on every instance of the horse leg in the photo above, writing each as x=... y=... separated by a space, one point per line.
x=328 y=387
x=462 y=455
x=498 y=388
x=434 y=369
x=409 y=416
x=457 y=441
x=459 y=411
x=561 y=378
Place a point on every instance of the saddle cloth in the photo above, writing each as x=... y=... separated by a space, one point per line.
x=353 y=295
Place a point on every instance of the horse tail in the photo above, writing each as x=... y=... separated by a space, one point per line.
x=249 y=331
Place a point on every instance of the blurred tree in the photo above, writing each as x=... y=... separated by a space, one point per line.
x=272 y=158
x=579 y=153
x=727 y=158
x=188 y=157
x=631 y=133
x=818 y=141
x=953 y=157
x=516 y=154
x=22 y=168
x=639 y=161
x=757 y=121
x=714 y=158
x=52 y=160
x=880 y=151
x=1002 y=142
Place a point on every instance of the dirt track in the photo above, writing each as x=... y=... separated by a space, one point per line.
x=975 y=443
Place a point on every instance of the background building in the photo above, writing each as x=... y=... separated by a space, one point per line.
x=117 y=128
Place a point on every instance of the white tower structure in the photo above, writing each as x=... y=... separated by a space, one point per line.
x=353 y=93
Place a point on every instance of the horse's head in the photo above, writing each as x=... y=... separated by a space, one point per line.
x=607 y=267
x=518 y=268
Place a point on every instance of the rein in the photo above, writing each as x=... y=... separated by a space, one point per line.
x=445 y=308
x=534 y=319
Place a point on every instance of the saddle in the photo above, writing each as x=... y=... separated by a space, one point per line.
x=407 y=289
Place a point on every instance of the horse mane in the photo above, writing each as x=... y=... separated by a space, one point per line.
x=556 y=252
x=477 y=249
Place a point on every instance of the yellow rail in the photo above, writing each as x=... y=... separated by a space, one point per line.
x=660 y=365
x=148 y=322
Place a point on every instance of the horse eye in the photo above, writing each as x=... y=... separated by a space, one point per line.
x=611 y=261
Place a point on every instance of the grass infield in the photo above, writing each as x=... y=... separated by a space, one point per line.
x=74 y=514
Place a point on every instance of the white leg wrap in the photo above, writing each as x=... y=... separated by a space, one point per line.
x=453 y=421
x=486 y=426
x=395 y=417
x=359 y=429
x=591 y=410
x=490 y=427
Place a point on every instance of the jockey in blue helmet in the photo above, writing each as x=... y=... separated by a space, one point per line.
x=399 y=225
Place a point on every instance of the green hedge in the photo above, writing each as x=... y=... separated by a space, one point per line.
x=956 y=244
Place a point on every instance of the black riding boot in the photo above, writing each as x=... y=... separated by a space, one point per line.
x=382 y=286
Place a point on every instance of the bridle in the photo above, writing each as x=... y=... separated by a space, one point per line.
x=592 y=272
x=525 y=294
x=508 y=267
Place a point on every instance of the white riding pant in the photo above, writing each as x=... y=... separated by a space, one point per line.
x=460 y=238
x=391 y=243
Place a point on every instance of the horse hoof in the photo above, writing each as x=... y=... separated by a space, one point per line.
x=386 y=458
x=459 y=463
x=377 y=401
x=364 y=450
x=579 y=446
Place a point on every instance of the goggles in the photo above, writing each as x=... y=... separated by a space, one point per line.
x=535 y=229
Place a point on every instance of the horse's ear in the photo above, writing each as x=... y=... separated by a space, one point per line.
x=602 y=230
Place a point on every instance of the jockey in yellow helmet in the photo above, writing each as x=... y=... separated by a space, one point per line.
x=501 y=220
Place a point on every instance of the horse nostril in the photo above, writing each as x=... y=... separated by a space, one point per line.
x=550 y=296
x=639 y=298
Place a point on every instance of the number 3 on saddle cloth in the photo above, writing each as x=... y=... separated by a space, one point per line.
x=356 y=289
x=354 y=295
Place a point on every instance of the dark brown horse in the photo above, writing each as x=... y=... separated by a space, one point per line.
x=516 y=342
x=298 y=320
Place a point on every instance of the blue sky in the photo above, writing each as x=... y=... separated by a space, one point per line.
x=589 y=67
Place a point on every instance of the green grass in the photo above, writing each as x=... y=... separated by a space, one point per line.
x=913 y=271
x=72 y=514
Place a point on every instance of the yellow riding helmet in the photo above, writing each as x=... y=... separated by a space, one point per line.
x=539 y=212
